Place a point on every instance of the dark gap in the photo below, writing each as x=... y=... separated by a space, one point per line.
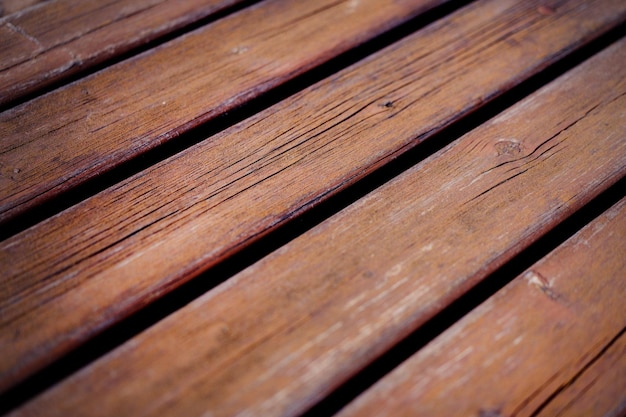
x=376 y=370
x=579 y=374
x=196 y=135
x=126 y=329
x=133 y=51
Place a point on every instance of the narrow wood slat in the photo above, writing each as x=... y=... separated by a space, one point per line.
x=527 y=342
x=8 y=7
x=75 y=133
x=58 y=38
x=284 y=332
x=595 y=390
x=135 y=241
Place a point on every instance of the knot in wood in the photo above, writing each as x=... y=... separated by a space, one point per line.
x=509 y=147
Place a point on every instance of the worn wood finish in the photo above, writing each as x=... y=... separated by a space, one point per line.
x=8 y=7
x=281 y=334
x=72 y=134
x=528 y=342
x=128 y=245
x=45 y=44
x=598 y=390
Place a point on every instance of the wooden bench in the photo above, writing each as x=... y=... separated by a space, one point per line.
x=369 y=207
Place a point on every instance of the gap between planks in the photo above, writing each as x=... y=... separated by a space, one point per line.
x=122 y=261
x=407 y=347
x=123 y=170
x=129 y=327
x=283 y=333
x=53 y=41
x=550 y=343
x=58 y=141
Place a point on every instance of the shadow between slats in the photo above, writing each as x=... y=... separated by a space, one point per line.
x=115 y=129
x=540 y=345
x=466 y=303
x=86 y=70
x=178 y=298
x=56 y=204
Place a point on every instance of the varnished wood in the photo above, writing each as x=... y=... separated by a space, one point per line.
x=281 y=334
x=57 y=38
x=60 y=140
x=545 y=343
x=137 y=240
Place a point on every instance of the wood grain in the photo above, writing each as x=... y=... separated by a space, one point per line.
x=60 y=140
x=528 y=342
x=58 y=38
x=284 y=332
x=128 y=245
x=8 y=7
x=598 y=390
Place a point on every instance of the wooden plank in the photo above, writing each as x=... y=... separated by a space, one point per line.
x=59 y=38
x=8 y=7
x=77 y=132
x=595 y=391
x=528 y=342
x=281 y=334
x=128 y=245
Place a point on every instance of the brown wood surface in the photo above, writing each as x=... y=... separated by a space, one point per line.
x=600 y=389
x=8 y=7
x=528 y=343
x=137 y=240
x=58 y=38
x=281 y=334
x=61 y=139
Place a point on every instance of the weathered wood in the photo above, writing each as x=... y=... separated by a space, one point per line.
x=528 y=342
x=595 y=391
x=58 y=38
x=285 y=331
x=137 y=240
x=8 y=7
x=59 y=140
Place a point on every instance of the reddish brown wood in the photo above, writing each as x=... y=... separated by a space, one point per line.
x=548 y=342
x=61 y=139
x=128 y=245
x=58 y=38
x=596 y=389
x=8 y=7
x=281 y=334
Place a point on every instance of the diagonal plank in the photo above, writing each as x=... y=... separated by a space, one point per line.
x=529 y=341
x=284 y=332
x=8 y=7
x=191 y=211
x=57 y=38
x=595 y=390
x=61 y=139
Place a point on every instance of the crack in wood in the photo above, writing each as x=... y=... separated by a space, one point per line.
x=578 y=374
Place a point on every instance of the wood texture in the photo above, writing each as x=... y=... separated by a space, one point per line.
x=281 y=334
x=59 y=140
x=128 y=245
x=8 y=7
x=58 y=38
x=598 y=390
x=528 y=343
